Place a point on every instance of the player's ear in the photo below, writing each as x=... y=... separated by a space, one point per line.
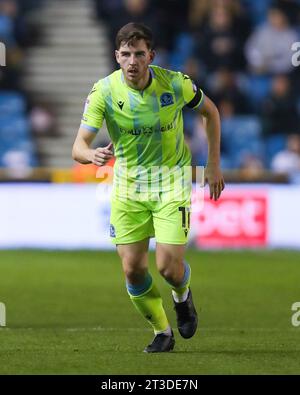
x=152 y=55
x=117 y=55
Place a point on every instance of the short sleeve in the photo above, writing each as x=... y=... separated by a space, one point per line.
x=93 y=113
x=193 y=96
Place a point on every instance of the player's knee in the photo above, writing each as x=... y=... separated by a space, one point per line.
x=130 y=261
x=171 y=273
x=165 y=272
x=134 y=269
x=134 y=275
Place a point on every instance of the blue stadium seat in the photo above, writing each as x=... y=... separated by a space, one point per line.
x=226 y=162
x=15 y=136
x=241 y=136
x=256 y=87
x=274 y=144
x=7 y=30
x=13 y=129
x=11 y=103
x=257 y=10
x=184 y=46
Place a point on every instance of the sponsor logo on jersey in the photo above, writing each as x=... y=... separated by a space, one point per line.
x=166 y=99
x=145 y=130
x=167 y=127
x=148 y=130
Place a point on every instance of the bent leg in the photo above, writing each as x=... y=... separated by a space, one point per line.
x=134 y=259
x=140 y=287
x=178 y=274
x=171 y=265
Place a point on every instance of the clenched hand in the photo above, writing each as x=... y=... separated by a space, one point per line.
x=102 y=155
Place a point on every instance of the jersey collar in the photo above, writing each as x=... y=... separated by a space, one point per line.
x=149 y=87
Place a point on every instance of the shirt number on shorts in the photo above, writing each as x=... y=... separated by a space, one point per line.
x=185 y=216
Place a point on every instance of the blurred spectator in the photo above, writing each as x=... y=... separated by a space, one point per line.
x=41 y=120
x=218 y=44
x=17 y=148
x=251 y=165
x=13 y=29
x=121 y=13
x=17 y=163
x=226 y=108
x=107 y=9
x=223 y=89
x=8 y=10
x=11 y=33
x=268 y=49
x=137 y=11
x=195 y=137
x=155 y=14
x=279 y=110
x=199 y=12
x=291 y=9
x=288 y=160
x=172 y=19
x=210 y=40
x=194 y=69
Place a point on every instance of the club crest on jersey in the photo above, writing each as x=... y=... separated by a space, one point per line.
x=166 y=99
x=112 y=231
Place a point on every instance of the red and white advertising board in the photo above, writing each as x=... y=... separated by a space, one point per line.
x=55 y=215
x=238 y=219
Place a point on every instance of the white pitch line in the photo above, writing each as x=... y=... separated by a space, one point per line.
x=102 y=329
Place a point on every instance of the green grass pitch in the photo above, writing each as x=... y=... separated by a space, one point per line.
x=69 y=313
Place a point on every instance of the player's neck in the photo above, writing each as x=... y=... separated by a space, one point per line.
x=141 y=84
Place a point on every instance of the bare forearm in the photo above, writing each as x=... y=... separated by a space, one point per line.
x=213 y=174
x=82 y=153
x=213 y=131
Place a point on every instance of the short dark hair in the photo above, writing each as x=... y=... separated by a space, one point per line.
x=131 y=32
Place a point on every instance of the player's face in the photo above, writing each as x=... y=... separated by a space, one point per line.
x=134 y=60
